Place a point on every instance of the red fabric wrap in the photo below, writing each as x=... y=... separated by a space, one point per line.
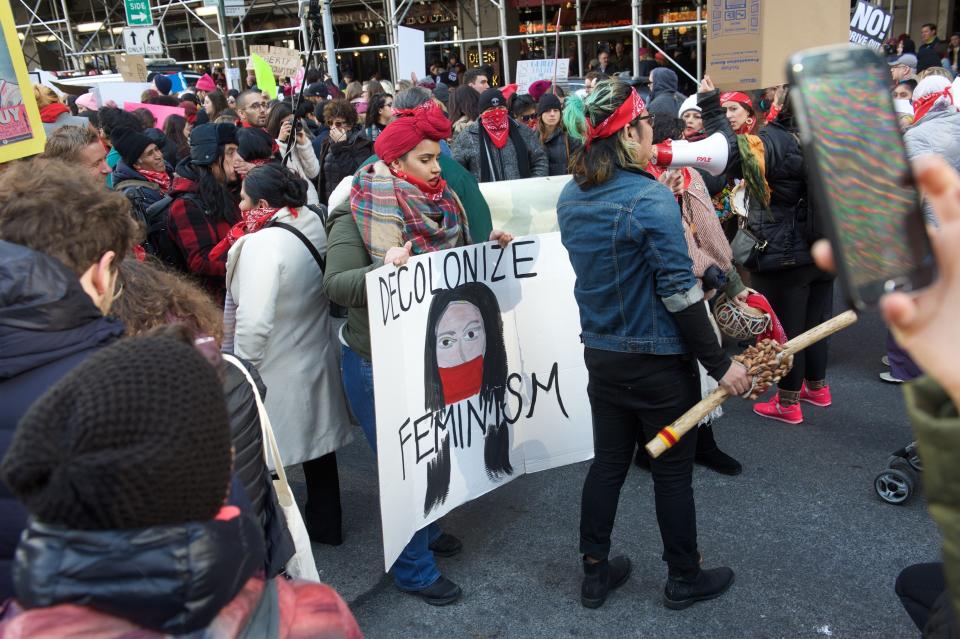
x=759 y=302
x=462 y=381
x=251 y=221
x=497 y=124
x=924 y=104
x=404 y=133
x=50 y=113
x=737 y=96
x=626 y=113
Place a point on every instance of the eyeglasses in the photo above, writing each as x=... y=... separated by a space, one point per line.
x=528 y=118
x=258 y=106
x=118 y=292
x=652 y=117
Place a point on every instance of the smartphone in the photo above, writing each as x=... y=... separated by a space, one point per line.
x=858 y=172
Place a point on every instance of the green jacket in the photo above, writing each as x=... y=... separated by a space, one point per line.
x=462 y=182
x=345 y=279
x=937 y=427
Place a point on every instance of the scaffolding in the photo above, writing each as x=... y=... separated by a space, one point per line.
x=233 y=39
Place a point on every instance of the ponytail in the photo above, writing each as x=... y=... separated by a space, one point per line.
x=276 y=184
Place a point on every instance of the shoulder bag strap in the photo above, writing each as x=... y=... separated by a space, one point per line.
x=303 y=238
x=269 y=440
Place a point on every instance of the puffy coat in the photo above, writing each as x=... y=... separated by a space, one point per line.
x=559 y=146
x=466 y=151
x=250 y=467
x=48 y=325
x=936 y=132
x=340 y=159
x=790 y=226
x=164 y=580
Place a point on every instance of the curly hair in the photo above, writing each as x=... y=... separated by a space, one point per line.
x=340 y=108
x=155 y=296
x=32 y=214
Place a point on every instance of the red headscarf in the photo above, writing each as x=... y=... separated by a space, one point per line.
x=407 y=131
x=739 y=97
x=626 y=113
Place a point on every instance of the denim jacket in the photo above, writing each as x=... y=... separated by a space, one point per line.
x=626 y=244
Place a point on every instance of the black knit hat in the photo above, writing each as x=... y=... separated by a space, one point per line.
x=135 y=436
x=491 y=98
x=129 y=144
x=207 y=142
x=548 y=101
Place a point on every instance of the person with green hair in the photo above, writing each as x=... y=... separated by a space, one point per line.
x=644 y=327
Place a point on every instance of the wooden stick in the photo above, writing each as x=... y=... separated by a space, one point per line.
x=669 y=436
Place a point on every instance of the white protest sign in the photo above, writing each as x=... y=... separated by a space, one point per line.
x=478 y=376
x=869 y=25
x=529 y=71
x=411 y=53
x=120 y=92
x=525 y=207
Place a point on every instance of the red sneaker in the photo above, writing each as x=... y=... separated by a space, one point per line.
x=820 y=397
x=775 y=410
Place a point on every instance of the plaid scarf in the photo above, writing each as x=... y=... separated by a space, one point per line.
x=390 y=211
x=160 y=178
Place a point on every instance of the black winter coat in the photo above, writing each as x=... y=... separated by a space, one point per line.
x=170 y=579
x=249 y=464
x=789 y=227
x=48 y=325
x=340 y=159
x=559 y=147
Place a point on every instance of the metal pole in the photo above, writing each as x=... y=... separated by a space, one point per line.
x=328 y=43
x=476 y=14
x=224 y=41
x=393 y=37
x=699 y=43
x=579 y=42
x=543 y=18
x=73 y=45
x=636 y=37
x=505 y=64
x=909 y=16
x=193 y=52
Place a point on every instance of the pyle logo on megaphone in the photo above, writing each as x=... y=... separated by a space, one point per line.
x=709 y=154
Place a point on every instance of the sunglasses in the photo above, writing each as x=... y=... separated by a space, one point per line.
x=528 y=118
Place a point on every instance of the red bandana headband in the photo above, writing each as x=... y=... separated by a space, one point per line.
x=924 y=104
x=736 y=96
x=420 y=108
x=629 y=111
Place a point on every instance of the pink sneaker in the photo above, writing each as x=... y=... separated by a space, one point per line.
x=820 y=397
x=775 y=410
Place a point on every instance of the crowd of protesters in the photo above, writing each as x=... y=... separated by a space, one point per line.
x=220 y=262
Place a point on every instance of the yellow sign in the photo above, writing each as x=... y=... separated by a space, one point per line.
x=21 y=131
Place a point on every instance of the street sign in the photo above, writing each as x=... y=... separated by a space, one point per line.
x=139 y=13
x=235 y=11
x=138 y=41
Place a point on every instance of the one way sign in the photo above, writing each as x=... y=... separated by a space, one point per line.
x=138 y=41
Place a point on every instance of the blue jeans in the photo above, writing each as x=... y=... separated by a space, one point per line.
x=415 y=568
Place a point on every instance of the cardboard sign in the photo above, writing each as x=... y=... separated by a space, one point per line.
x=411 y=53
x=159 y=111
x=21 y=131
x=120 y=92
x=869 y=25
x=529 y=71
x=133 y=68
x=284 y=62
x=474 y=384
x=749 y=41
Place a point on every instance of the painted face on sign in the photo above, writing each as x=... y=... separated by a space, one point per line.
x=460 y=335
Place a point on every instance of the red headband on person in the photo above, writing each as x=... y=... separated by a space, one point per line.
x=403 y=113
x=627 y=112
x=736 y=96
x=924 y=104
x=404 y=133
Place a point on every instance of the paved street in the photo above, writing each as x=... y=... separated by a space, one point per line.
x=815 y=551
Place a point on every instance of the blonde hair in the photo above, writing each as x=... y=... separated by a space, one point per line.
x=44 y=95
x=926 y=73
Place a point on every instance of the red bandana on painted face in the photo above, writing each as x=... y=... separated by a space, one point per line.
x=497 y=124
x=461 y=381
x=629 y=111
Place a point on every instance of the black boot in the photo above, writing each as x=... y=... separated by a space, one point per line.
x=602 y=577
x=709 y=455
x=708 y=584
x=323 y=514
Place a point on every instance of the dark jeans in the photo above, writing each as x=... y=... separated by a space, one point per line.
x=802 y=298
x=632 y=394
x=918 y=586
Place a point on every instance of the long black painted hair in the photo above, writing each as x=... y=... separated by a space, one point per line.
x=494 y=358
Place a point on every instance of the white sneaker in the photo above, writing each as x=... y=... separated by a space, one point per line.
x=890 y=379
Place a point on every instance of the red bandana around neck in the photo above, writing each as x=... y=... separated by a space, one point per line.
x=50 y=113
x=160 y=178
x=626 y=113
x=251 y=221
x=433 y=193
x=496 y=122
x=461 y=381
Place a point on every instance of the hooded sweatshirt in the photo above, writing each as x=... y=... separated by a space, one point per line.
x=666 y=98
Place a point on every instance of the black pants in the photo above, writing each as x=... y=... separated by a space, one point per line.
x=630 y=394
x=802 y=298
x=918 y=586
x=322 y=512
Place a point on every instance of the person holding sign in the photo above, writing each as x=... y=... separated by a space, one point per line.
x=398 y=206
x=644 y=329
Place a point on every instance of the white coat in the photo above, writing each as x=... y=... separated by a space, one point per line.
x=283 y=327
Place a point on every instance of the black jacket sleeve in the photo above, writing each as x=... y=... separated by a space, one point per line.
x=715 y=121
x=697 y=331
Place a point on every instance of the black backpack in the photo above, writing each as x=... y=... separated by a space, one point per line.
x=154 y=217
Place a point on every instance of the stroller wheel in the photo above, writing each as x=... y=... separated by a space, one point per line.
x=894 y=486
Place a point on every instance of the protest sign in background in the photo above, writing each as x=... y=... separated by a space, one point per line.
x=869 y=25
x=411 y=54
x=529 y=71
x=478 y=376
x=21 y=131
x=120 y=92
x=283 y=62
x=524 y=207
x=160 y=112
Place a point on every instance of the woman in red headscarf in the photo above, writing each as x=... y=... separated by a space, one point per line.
x=399 y=206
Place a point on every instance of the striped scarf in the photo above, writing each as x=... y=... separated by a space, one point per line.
x=390 y=211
